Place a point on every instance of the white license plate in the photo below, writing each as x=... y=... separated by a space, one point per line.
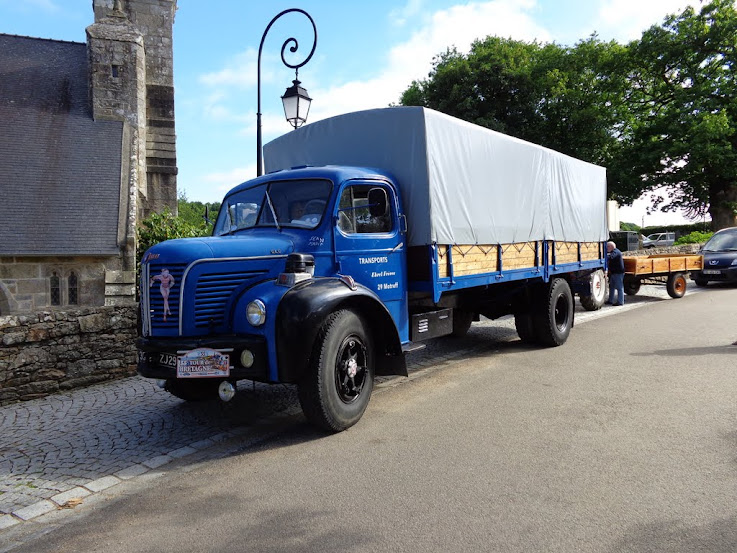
x=711 y=272
x=203 y=363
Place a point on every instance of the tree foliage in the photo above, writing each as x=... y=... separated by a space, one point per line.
x=683 y=92
x=657 y=112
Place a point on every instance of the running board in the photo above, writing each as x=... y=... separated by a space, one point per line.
x=412 y=346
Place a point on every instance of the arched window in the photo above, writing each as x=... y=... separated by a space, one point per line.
x=73 y=289
x=55 y=282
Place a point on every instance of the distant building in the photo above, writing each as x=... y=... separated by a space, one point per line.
x=87 y=149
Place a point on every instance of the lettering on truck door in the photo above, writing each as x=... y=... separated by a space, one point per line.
x=369 y=245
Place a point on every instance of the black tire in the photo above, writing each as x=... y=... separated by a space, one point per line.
x=461 y=322
x=195 y=389
x=525 y=328
x=337 y=387
x=599 y=292
x=701 y=282
x=631 y=285
x=553 y=324
x=676 y=285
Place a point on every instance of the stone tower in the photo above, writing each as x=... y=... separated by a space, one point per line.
x=132 y=79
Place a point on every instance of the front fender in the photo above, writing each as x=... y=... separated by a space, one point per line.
x=304 y=309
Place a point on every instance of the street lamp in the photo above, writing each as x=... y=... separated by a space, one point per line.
x=296 y=100
x=296 y=104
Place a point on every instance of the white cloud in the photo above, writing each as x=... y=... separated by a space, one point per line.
x=400 y=16
x=457 y=26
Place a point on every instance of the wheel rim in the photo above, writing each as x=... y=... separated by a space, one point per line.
x=597 y=282
x=561 y=312
x=679 y=285
x=351 y=369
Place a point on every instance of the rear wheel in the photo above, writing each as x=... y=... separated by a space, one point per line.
x=598 y=292
x=553 y=324
x=337 y=387
x=461 y=322
x=676 y=285
x=525 y=327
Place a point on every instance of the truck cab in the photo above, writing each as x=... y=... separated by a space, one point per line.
x=288 y=252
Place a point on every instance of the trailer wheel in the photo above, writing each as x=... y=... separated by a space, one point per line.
x=631 y=285
x=195 y=389
x=525 y=326
x=598 y=292
x=553 y=324
x=337 y=386
x=676 y=285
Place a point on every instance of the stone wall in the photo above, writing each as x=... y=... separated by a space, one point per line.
x=53 y=351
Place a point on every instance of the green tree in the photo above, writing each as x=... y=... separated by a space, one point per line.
x=683 y=90
x=194 y=212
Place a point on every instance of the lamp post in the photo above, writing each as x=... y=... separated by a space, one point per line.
x=296 y=100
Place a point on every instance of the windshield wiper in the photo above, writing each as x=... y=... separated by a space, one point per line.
x=273 y=212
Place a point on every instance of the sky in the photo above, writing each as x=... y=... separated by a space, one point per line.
x=367 y=54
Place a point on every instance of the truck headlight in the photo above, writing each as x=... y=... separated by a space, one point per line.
x=256 y=313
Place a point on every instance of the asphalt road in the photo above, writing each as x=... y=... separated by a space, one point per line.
x=622 y=440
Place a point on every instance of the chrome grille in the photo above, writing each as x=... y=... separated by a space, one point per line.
x=213 y=292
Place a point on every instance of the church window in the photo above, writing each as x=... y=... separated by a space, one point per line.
x=115 y=71
x=73 y=289
x=55 y=282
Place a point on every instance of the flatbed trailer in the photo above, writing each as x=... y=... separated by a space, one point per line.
x=666 y=269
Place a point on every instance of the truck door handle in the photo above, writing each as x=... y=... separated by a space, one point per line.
x=395 y=248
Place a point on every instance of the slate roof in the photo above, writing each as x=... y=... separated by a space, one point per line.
x=59 y=169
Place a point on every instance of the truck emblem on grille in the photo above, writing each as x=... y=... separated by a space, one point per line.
x=167 y=282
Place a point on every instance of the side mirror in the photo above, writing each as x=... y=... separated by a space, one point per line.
x=377 y=202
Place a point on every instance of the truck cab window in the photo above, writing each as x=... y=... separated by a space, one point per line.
x=354 y=215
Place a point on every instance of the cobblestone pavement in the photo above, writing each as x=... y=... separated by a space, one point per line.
x=58 y=450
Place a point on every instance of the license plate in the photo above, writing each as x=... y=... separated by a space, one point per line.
x=711 y=272
x=168 y=360
x=203 y=363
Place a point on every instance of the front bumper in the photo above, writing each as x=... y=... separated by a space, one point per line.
x=726 y=274
x=156 y=355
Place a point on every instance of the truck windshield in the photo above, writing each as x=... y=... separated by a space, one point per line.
x=296 y=203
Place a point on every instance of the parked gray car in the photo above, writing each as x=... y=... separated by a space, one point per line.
x=659 y=240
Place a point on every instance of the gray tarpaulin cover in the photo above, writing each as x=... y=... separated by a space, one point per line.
x=461 y=183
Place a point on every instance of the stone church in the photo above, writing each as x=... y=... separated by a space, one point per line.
x=87 y=149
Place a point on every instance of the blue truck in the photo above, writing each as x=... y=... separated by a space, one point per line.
x=370 y=233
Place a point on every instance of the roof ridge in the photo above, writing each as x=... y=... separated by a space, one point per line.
x=44 y=39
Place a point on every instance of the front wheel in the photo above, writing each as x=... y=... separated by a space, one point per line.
x=676 y=285
x=337 y=386
x=553 y=323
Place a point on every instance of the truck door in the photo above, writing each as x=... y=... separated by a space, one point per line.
x=370 y=244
